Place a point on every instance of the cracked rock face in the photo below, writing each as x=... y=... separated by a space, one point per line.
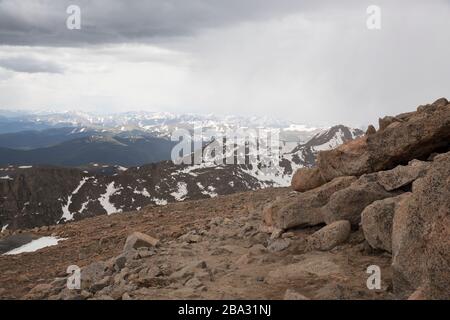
x=330 y=236
x=303 y=209
x=421 y=235
x=409 y=136
x=377 y=219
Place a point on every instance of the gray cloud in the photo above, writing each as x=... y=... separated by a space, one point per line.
x=29 y=22
x=30 y=65
x=309 y=61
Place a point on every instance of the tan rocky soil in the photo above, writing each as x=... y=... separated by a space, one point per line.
x=208 y=249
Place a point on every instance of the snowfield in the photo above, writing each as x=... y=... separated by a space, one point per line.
x=35 y=245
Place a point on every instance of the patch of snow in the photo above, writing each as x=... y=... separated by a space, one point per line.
x=181 y=193
x=144 y=192
x=6 y=178
x=159 y=202
x=334 y=142
x=4 y=228
x=200 y=185
x=67 y=215
x=105 y=199
x=36 y=245
x=299 y=127
x=84 y=206
x=25 y=167
x=211 y=192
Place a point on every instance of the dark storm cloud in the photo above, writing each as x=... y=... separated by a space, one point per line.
x=30 y=22
x=30 y=65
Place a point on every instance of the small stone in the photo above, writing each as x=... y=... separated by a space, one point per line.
x=276 y=234
x=100 y=284
x=140 y=240
x=257 y=249
x=330 y=236
x=279 y=245
x=287 y=235
x=194 y=283
x=145 y=253
x=120 y=262
x=126 y=296
x=294 y=295
x=243 y=260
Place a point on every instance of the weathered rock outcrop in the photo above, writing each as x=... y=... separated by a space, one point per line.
x=421 y=235
x=414 y=226
x=306 y=179
x=376 y=221
x=402 y=176
x=303 y=209
x=348 y=203
x=330 y=236
x=344 y=198
x=400 y=139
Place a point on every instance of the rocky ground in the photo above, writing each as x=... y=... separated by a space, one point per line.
x=207 y=249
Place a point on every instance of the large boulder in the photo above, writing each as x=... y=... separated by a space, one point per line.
x=400 y=139
x=348 y=203
x=376 y=221
x=139 y=240
x=350 y=159
x=402 y=176
x=421 y=235
x=303 y=209
x=305 y=179
x=416 y=137
x=330 y=236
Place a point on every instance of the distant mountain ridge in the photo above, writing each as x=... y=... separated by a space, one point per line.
x=124 y=139
x=75 y=147
x=160 y=124
x=35 y=196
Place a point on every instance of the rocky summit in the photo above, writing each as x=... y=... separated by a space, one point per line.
x=377 y=207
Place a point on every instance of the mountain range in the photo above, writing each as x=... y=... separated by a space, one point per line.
x=62 y=174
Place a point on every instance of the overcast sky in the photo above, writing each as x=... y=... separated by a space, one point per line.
x=312 y=62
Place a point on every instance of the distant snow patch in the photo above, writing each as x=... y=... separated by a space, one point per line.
x=211 y=192
x=200 y=185
x=159 y=202
x=36 y=245
x=25 y=167
x=67 y=215
x=144 y=192
x=181 y=193
x=299 y=127
x=4 y=228
x=105 y=199
x=6 y=178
